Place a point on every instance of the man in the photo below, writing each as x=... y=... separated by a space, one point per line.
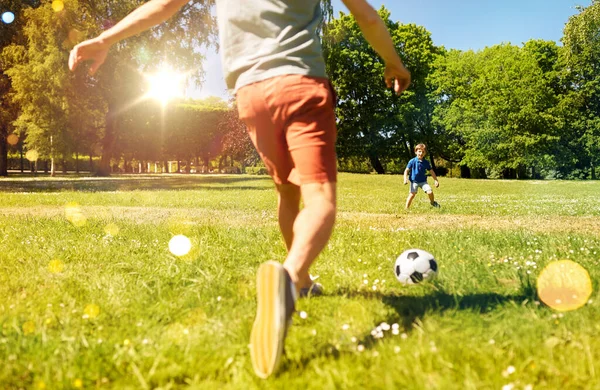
x=273 y=62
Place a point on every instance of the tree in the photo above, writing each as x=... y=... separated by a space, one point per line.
x=236 y=141
x=582 y=55
x=118 y=85
x=373 y=121
x=10 y=34
x=498 y=105
x=39 y=66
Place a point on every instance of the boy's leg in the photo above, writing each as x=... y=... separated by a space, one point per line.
x=431 y=197
x=409 y=200
x=411 y=194
x=429 y=192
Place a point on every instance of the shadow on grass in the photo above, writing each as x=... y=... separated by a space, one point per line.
x=140 y=183
x=411 y=310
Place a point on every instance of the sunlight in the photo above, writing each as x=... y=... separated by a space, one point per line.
x=165 y=85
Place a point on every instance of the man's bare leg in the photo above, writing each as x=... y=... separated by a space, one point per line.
x=311 y=230
x=288 y=207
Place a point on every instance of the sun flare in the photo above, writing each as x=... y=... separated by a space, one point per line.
x=165 y=85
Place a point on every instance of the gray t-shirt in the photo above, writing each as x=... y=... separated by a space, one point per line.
x=261 y=39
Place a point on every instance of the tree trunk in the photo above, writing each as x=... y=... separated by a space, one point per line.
x=221 y=162
x=76 y=162
x=465 y=172
x=593 y=171
x=206 y=160
x=3 y=151
x=509 y=173
x=22 y=162
x=166 y=165
x=521 y=172
x=91 y=164
x=432 y=161
x=108 y=142
x=376 y=164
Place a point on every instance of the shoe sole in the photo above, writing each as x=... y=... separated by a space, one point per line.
x=268 y=331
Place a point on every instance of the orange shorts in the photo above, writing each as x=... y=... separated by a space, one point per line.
x=291 y=121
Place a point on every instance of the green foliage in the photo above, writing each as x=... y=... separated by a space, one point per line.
x=256 y=171
x=373 y=121
x=499 y=105
x=582 y=55
x=505 y=111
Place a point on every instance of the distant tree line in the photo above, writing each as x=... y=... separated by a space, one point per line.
x=507 y=111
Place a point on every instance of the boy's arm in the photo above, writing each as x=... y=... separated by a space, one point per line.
x=406 y=171
x=141 y=19
x=435 y=180
x=379 y=38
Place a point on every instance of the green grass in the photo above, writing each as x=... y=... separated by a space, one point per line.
x=168 y=322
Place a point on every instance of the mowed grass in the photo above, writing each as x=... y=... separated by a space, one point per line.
x=82 y=308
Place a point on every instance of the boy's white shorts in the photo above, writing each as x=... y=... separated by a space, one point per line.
x=414 y=187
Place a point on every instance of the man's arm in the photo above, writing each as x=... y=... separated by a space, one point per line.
x=379 y=38
x=141 y=19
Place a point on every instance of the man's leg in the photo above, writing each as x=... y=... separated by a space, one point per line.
x=311 y=231
x=288 y=207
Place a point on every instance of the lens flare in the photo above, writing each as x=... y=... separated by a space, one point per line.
x=74 y=215
x=56 y=266
x=12 y=139
x=180 y=245
x=58 y=5
x=92 y=310
x=165 y=85
x=111 y=229
x=564 y=285
x=28 y=328
x=32 y=155
x=8 y=17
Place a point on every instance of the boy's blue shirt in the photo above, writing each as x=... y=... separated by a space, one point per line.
x=417 y=169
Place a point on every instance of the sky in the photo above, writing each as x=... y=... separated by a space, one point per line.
x=455 y=24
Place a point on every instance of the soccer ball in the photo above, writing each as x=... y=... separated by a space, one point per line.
x=414 y=266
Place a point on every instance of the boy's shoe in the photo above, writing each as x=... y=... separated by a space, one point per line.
x=315 y=290
x=276 y=304
x=435 y=204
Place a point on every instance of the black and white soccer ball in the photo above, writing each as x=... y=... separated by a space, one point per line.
x=414 y=266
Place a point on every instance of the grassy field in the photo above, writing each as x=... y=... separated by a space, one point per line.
x=91 y=297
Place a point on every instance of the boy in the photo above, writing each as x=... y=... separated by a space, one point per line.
x=273 y=62
x=417 y=167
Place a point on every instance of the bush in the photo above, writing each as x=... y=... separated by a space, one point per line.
x=441 y=171
x=256 y=171
x=230 y=170
x=354 y=165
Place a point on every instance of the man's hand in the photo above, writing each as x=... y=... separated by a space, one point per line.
x=398 y=77
x=94 y=50
x=436 y=183
x=405 y=181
